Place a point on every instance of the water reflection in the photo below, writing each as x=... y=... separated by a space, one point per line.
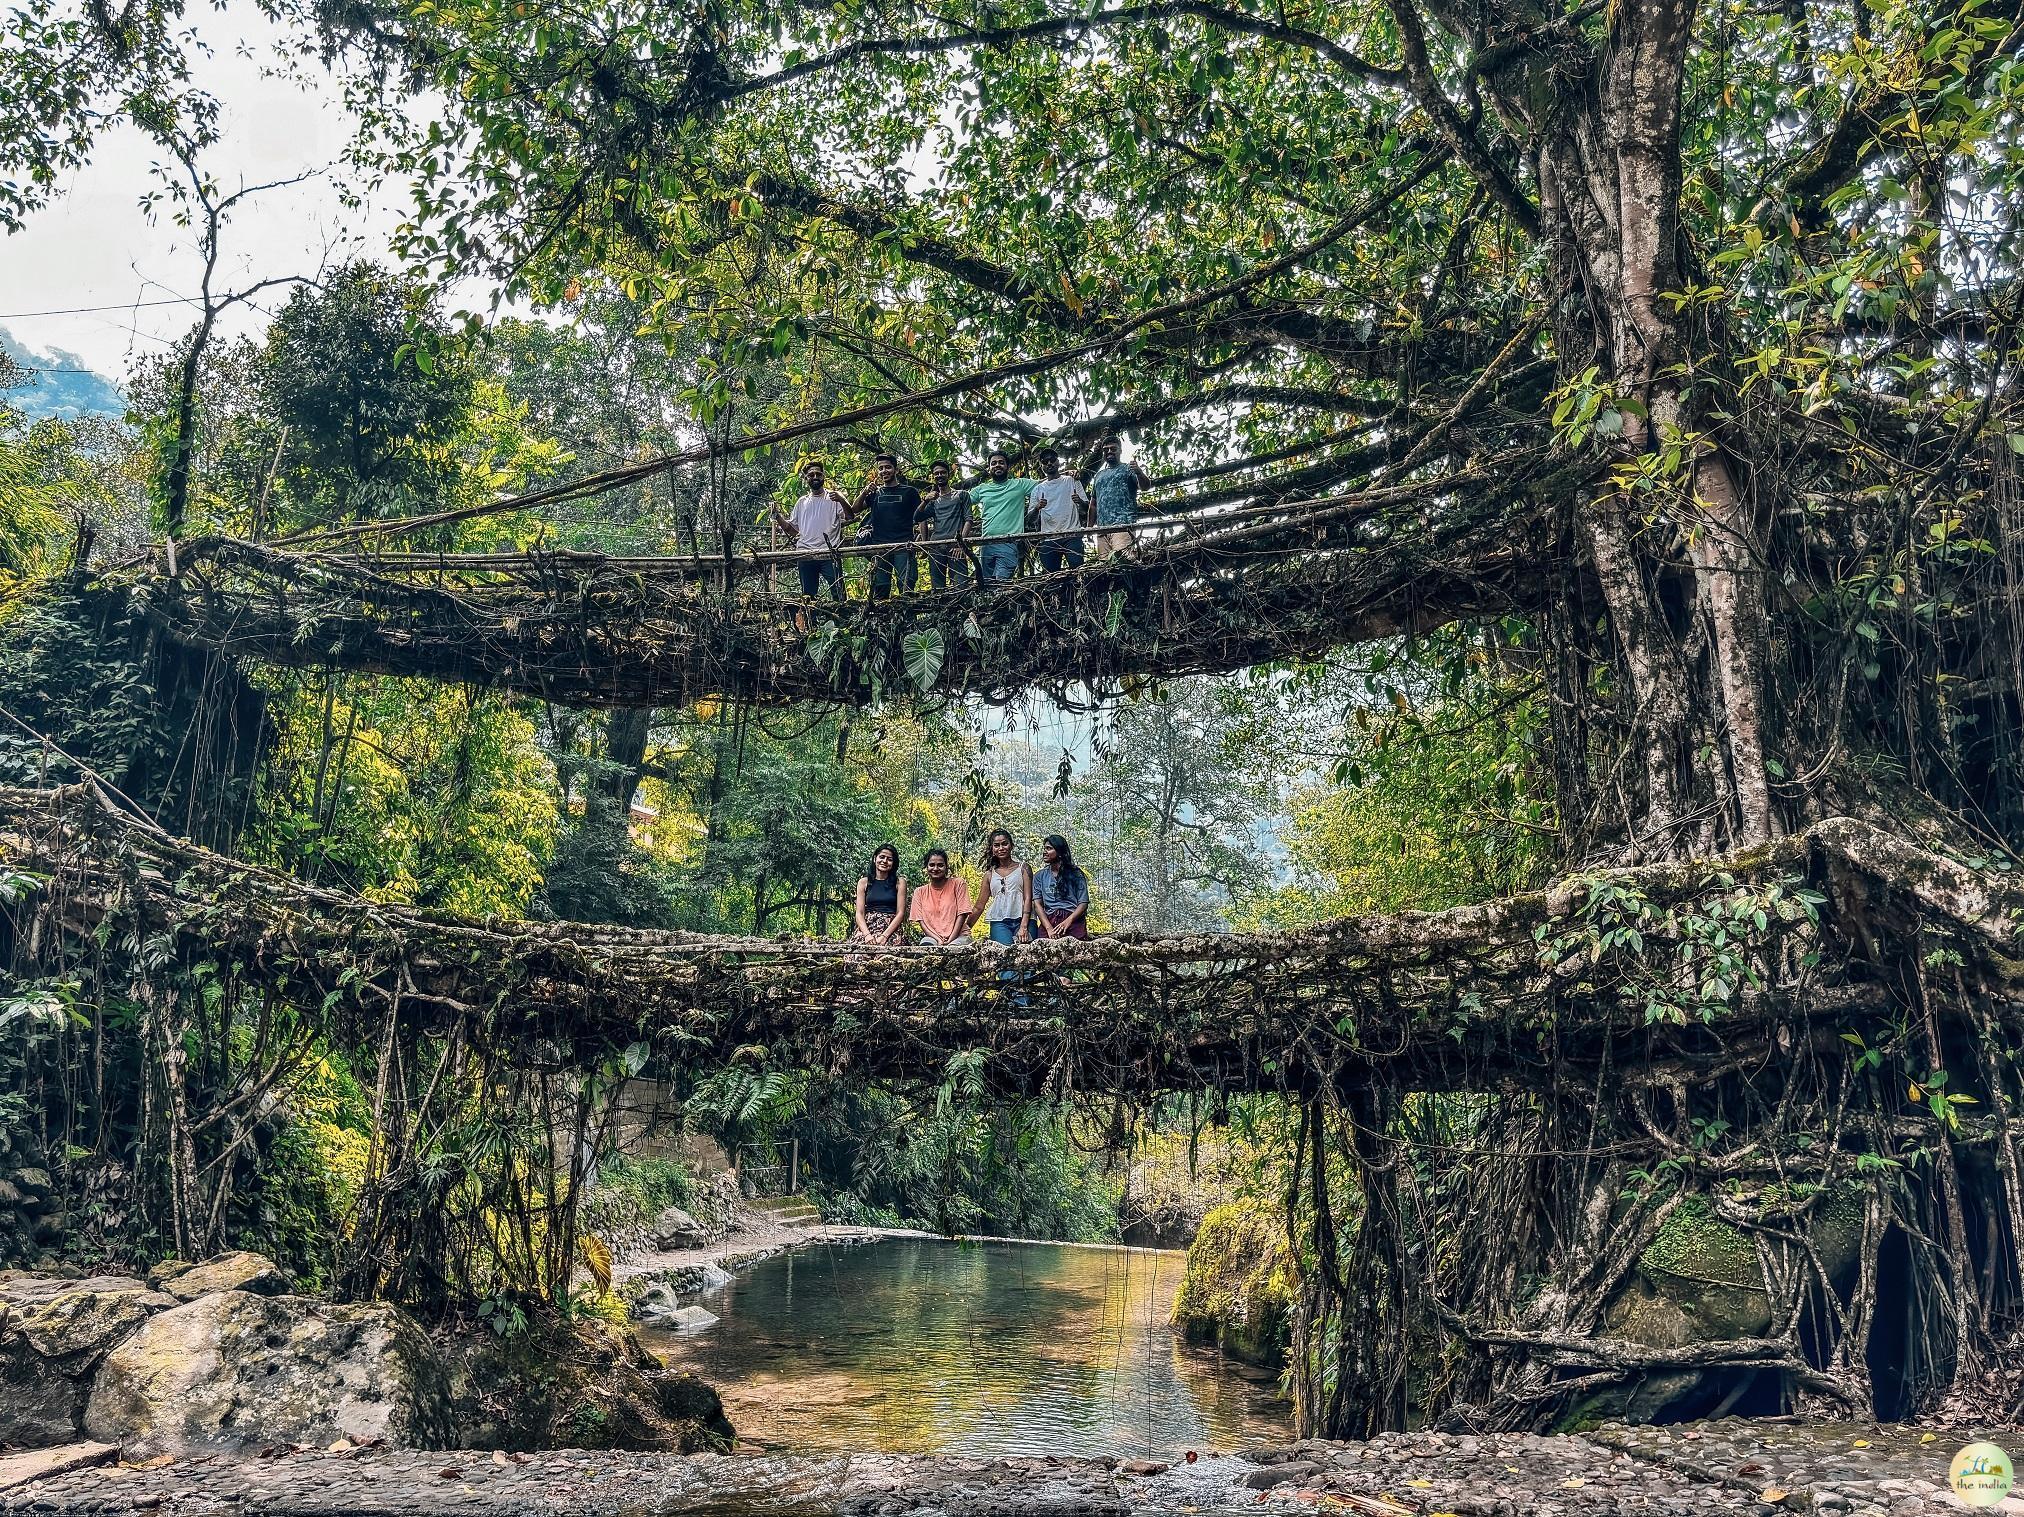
x=918 y=1346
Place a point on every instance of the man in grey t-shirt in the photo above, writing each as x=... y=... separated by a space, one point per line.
x=948 y=514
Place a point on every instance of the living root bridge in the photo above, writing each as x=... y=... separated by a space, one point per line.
x=593 y=630
x=1522 y=994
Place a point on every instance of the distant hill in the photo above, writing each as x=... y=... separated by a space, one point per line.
x=60 y=384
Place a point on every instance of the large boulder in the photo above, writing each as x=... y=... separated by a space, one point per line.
x=53 y=1332
x=1701 y=1280
x=675 y=1228
x=234 y=1370
x=1237 y=1289
x=583 y=1384
x=240 y=1270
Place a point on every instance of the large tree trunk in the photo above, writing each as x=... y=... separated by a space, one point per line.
x=1674 y=535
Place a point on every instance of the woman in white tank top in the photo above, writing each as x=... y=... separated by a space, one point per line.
x=1010 y=887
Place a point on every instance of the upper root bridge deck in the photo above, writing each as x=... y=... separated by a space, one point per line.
x=1509 y=995
x=1198 y=595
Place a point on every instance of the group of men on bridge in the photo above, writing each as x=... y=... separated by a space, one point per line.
x=944 y=517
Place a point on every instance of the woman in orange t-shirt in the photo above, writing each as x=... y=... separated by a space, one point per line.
x=942 y=907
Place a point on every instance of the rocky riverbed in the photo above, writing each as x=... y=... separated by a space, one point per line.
x=1729 y=1466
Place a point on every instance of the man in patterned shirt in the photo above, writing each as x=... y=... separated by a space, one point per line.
x=1116 y=493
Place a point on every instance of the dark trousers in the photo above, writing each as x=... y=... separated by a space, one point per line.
x=1064 y=553
x=891 y=566
x=819 y=575
x=947 y=565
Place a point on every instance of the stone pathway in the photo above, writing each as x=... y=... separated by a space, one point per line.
x=1736 y=1465
x=1762 y=1467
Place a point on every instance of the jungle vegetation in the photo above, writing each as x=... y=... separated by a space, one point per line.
x=1665 y=357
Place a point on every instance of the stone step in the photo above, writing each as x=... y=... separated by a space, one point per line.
x=793 y=1210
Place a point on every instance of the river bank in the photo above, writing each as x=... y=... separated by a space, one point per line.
x=1735 y=1465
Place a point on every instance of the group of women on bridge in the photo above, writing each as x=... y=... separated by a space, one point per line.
x=1020 y=903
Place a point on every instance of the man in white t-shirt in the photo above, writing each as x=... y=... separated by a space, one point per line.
x=817 y=524
x=1060 y=500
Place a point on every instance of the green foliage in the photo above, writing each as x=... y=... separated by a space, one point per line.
x=300 y=1190
x=409 y=792
x=179 y=732
x=598 y=873
x=1701 y=957
x=784 y=825
x=57 y=475
x=736 y=1105
x=609 y=389
x=1169 y=817
x=645 y=1187
x=360 y=401
x=957 y=1165
x=69 y=73
x=1430 y=799
x=371 y=393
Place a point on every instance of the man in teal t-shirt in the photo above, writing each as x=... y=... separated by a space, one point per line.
x=1002 y=502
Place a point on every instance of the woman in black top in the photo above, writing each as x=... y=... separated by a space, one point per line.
x=881 y=898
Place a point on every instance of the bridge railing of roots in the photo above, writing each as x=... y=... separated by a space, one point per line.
x=1198 y=593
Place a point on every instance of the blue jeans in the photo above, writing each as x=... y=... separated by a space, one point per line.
x=1007 y=933
x=890 y=566
x=818 y=575
x=996 y=563
x=948 y=565
x=1064 y=554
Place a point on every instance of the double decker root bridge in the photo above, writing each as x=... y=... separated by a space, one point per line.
x=1602 y=970
x=1196 y=594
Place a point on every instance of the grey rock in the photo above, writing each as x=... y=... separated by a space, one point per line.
x=55 y=1331
x=22 y=1288
x=40 y=1405
x=675 y=1228
x=75 y=1326
x=692 y=1319
x=654 y=1303
x=1266 y=1476
x=40 y=1464
x=241 y=1270
x=232 y=1370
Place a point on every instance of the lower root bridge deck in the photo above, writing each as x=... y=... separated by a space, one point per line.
x=1524 y=993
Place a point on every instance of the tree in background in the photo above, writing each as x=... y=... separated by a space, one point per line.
x=1171 y=815
x=371 y=398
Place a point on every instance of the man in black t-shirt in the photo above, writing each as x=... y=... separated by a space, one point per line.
x=891 y=504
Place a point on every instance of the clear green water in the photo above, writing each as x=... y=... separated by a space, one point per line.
x=922 y=1346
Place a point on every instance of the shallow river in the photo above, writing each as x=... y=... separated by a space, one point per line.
x=921 y=1346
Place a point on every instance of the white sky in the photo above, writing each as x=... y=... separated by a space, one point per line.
x=95 y=247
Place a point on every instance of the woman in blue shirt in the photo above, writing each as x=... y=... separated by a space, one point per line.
x=1060 y=892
